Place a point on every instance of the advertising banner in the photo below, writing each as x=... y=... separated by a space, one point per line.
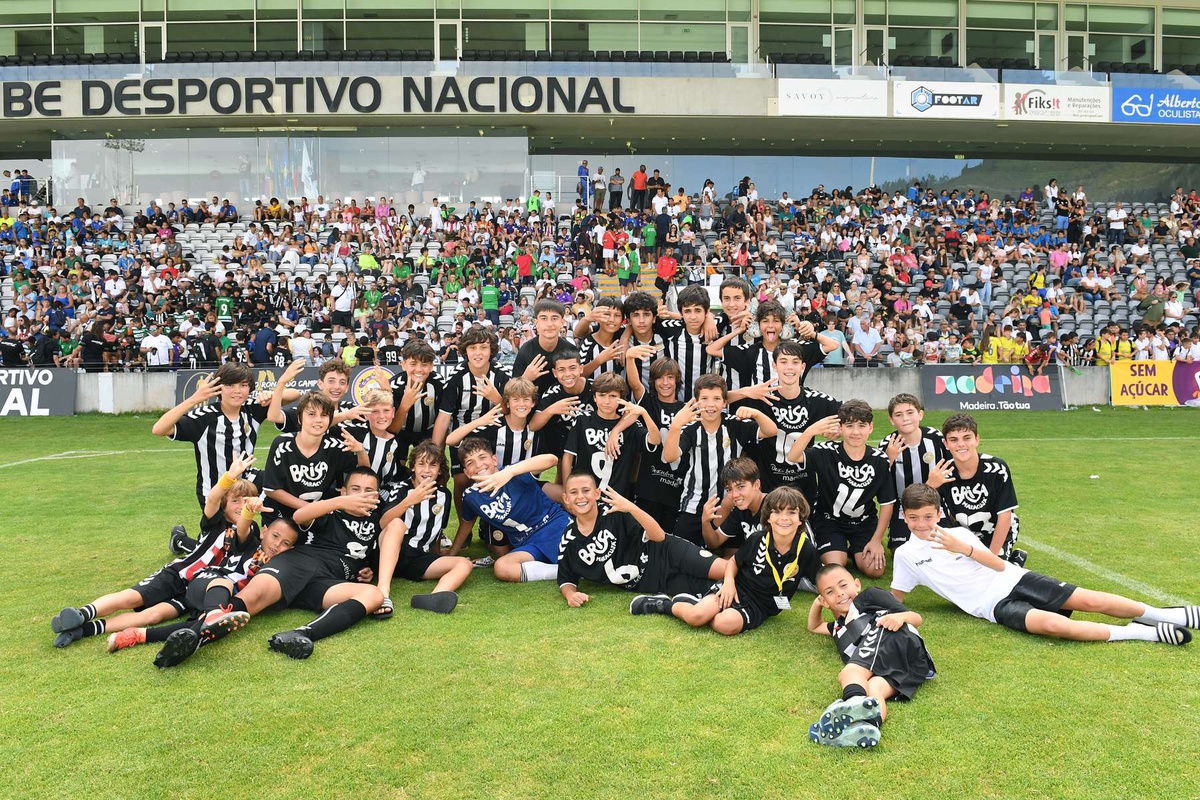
x=830 y=98
x=944 y=100
x=991 y=387
x=362 y=380
x=1030 y=103
x=1154 y=383
x=1156 y=106
x=35 y=392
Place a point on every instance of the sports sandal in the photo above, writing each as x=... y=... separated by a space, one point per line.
x=384 y=611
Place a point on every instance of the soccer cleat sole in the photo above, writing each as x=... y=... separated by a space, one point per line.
x=66 y=620
x=223 y=626
x=438 y=602
x=686 y=597
x=861 y=734
x=842 y=714
x=297 y=647
x=68 y=637
x=179 y=647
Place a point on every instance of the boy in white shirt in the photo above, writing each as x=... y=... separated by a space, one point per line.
x=958 y=568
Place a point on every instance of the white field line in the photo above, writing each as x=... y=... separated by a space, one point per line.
x=1098 y=439
x=1107 y=574
x=76 y=454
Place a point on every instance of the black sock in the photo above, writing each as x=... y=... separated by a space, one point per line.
x=94 y=627
x=88 y=611
x=334 y=619
x=237 y=605
x=187 y=543
x=159 y=633
x=217 y=596
x=853 y=690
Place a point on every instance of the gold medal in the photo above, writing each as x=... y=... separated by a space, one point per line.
x=659 y=347
x=437 y=509
x=388 y=458
x=528 y=444
x=498 y=536
x=927 y=458
x=790 y=571
x=428 y=400
x=727 y=442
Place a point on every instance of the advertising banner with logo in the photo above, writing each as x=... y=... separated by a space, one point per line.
x=1154 y=383
x=944 y=100
x=37 y=392
x=991 y=387
x=1156 y=106
x=829 y=98
x=1030 y=103
x=362 y=380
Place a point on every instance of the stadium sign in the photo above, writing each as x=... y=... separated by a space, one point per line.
x=1033 y=103
x=944 y=100
x=1156 y=105
x=832 y=98
x=37 y=392
x=364 y=94
x=991 y=387
x=1154 y=383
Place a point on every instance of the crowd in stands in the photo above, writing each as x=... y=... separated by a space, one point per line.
x=900 y=279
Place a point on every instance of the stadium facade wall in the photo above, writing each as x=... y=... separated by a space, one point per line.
x=123 y=393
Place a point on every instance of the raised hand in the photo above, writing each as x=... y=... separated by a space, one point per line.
x=616 y=501
x=536 y=369
x=240 y=464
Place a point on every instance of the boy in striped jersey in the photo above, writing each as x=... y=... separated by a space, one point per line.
x=384 y=452
x=711 y=437
x=684 y=339
x=660 y=482
x=416 y=395
x=469 y=394
x=914 y=451
x=505 y=426
x=643 y=343
x=602 y=350
x=219 y=432
x=412 y=550
x=224 y=537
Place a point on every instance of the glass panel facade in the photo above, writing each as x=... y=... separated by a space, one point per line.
x=585 y=9
x=502 y=36
x=1120 y=19
x=793 y=39
x=322 y=9
x=791 y=11
x=921 y=42
x=24 y=13
x=204 y=10
x=94 y=10
x=251 y=167
x=998 y=44
x=682 y=36
x=1180 y=51
x=276 y=36
x=388 y=36
x=389 y=9
x=931 y=13
x=276 y=9
x=981 y=14
x=1181 y=22
x=206 y=38
x=81 y=39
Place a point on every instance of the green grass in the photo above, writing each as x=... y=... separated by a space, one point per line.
x=517 y=696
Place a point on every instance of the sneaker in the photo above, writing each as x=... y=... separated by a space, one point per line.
x=221 y=622
x=1018 y=557
x=68 y=637
x=650 y=604
x=1167 y=633
x=805 y=585
x=179 y=647
x=483 y=563
x=446 y=543
x=292 y=644
x=438 y=602
x=178 y=541
x=67 y=619
x=129 y=637
x=842 y=714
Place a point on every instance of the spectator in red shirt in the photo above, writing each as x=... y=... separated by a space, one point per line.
x=525 y=268
x=637 y=195
x=667 y=267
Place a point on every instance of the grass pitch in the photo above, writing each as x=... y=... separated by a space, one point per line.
x=517 y=696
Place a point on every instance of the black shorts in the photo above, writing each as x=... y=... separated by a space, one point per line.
x=164 y=586
x=676 y=566
x=898 y=532
x=832 y=536
x=687 y=526
x=343 y=319
x=198 y=586
x=305 y=574
x=752 y=613
x=492 y=537
x=413 y=567
x=899 y=657
x=1033 y=591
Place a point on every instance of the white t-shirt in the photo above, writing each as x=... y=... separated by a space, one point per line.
x=1116 y=218
x=343 y=297
x=974 y=588
x=158 y=350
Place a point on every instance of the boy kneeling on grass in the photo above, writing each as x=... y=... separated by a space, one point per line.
x=959 y=568
x=885 y=657
x=759 y=580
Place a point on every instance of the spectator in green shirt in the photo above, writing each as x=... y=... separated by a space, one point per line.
x=489 y=301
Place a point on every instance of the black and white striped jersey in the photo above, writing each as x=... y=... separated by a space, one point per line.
x=424 y=522
x=913 y=463
x=509 y=445
x=590 y=350
x=459 y=399
x=643 y=364
x=708 y=453
x=217 y=439
x=688 y=350
x=418 y=423
x=747 y=364
x=385 y=454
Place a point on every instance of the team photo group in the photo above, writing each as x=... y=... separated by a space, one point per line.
x=675 y=454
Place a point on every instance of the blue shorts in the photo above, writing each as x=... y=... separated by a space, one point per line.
x=543 y=545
